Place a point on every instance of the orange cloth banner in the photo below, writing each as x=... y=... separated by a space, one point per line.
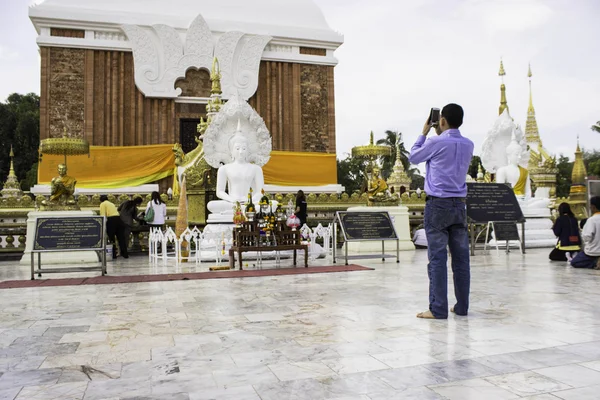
x=288 y=168
x=110 y=167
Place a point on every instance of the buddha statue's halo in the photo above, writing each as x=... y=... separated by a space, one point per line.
x=498 y=138
x=236 y=115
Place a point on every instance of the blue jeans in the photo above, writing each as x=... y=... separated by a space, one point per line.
x=446 y=226
x=582 y=260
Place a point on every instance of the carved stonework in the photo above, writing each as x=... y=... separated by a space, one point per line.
x=66 y=91
x=195 y=84
x=99 y=35
x=315 y=118
x=160 y=58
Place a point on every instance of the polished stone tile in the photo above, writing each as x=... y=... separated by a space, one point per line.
x=586 y=393
x=573 y=375
x=29 y=378
x=278 y=337
x=473 y=389
x=243 y=376
x=406 y=358
x=350 y=365
x=527 y=383
x=460 y=370
x=419 y=393
x=21 y=363
x=9 y=394
x=233 y=393
x=402 y=378
x=301 y=370
x=61 y=391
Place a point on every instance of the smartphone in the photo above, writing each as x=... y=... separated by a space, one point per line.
x=434 y=116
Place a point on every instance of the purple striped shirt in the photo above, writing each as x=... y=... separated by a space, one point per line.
x=447 y=158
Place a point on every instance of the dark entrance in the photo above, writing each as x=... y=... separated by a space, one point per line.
x=187 y=133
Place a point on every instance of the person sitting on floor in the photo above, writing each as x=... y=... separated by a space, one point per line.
x=566 y=230
x=420 y=238
x=590 y=256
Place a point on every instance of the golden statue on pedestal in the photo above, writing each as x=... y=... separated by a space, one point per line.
x=62 y=188
x=377 y=185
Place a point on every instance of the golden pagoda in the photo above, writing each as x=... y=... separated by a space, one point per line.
x=542 y=167
x=532 y=134
x=399 y=179
x=503 y=102
x=578 y=192
x=11 y=187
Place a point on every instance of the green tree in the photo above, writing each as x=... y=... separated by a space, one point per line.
x=563 y=179
x=596 y=127
x=591 y=159
x=19 y=128
x=474 y=167
x=351 y=174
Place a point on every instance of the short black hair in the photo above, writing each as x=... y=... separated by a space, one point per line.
x=453 y=113
x=103 y=198
x=138 y=200
x=595 y=201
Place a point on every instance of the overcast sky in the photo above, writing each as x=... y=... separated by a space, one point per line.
x=402 y=57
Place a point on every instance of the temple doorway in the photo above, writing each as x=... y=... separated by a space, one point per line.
x=187 y=133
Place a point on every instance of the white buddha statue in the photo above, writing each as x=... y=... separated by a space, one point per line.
x=237 y=177
x=513 y=173
x=238 y=143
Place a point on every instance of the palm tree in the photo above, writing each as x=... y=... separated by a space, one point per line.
x=387 y=162
x=595 y=127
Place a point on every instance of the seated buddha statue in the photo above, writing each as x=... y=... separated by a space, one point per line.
x=62 y=189
x=235 y=179
x=377 y=185
x=518 y=177
x=513 y=173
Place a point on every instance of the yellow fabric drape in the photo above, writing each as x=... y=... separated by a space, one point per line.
x=110 y=167
x=288 y=168
x=521 y=183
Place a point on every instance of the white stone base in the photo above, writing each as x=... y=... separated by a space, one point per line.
x=59 y=257
x=538 y=234
x=399 y=215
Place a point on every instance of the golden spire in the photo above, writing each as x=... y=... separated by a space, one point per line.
x=502 y=72
x=503 y=102
x=578 y=184
x=215 y=102
x=12 y=167
x=532 y=134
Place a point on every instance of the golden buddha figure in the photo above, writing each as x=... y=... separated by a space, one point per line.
x=62 y=189
x=377 y=185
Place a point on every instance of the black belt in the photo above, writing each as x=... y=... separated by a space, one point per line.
x=462 y=199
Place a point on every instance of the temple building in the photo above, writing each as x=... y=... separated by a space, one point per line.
x=137 y=73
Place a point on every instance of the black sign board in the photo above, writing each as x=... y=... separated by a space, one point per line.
x=490 y=202
x=69 y=233
x=365 y=225
x=506 y=231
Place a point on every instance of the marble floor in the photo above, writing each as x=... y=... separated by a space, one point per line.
x=533 y=333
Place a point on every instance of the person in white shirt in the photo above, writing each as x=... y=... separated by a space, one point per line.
x=420 y=238
x=160 y=211
x=590 y=256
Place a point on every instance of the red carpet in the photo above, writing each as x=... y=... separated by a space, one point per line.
x=109 y=280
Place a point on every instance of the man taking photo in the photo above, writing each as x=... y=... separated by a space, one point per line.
x=447 y=157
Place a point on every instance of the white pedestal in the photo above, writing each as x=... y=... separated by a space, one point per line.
x=538 y=230
x=399 y=215
x=59 y=257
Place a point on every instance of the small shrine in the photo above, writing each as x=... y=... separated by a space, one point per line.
x=11 y=187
